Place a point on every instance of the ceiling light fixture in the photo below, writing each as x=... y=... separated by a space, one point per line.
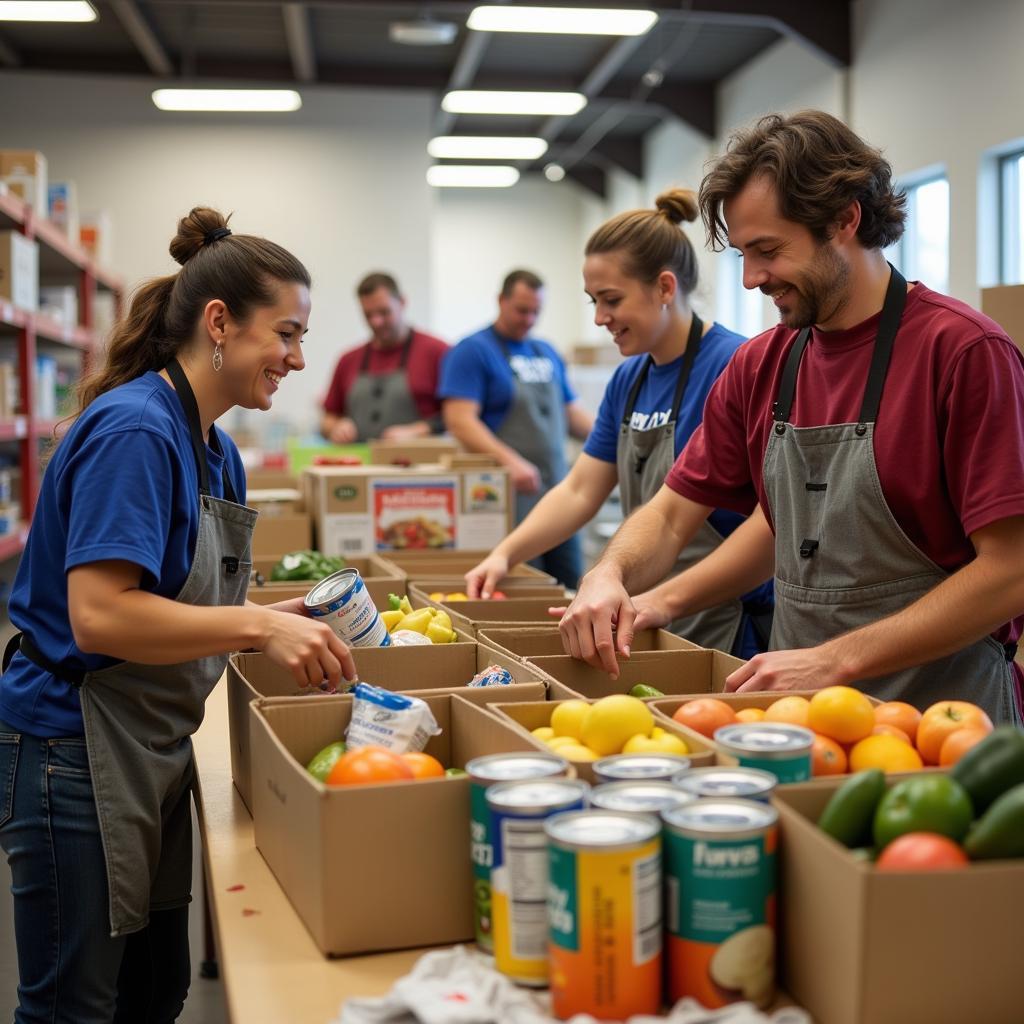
x=554 y=172
x=477 y=101
x=423 y=32
x=471 y=176
x=228 y=100
x=486 y=147
x=45 y=10
x=586 y=21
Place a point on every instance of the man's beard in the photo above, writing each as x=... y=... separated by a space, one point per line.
x=822 y=292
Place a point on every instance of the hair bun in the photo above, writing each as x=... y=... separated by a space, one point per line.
x=192 y=231
x=678 y=205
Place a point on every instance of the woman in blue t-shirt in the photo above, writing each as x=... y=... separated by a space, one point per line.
x=129 y=595
x=640 y=272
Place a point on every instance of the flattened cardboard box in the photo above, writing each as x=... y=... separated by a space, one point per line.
x=373 y=867
x=454 y=565
x=860 y=946
x=402 y=669
x=545 y=641
x=472 y=616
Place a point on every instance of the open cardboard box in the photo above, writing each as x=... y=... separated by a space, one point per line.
x=860 y=946
x=472 y=616
x=372 y=569
x=374 y=867
x=518 y=587
x=412 y=451
x=528 y=642
x=274 y=536
x=439 y=667
x=530 y=715
x=421 y=564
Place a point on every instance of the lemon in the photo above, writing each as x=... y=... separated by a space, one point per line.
x=557 y=742
x=567 y=718
x=544 y=733
x=613 y=720
x=576 y=752
x=663 y=743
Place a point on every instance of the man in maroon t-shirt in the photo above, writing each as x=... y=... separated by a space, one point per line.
x=387 y=387
x=877 y=435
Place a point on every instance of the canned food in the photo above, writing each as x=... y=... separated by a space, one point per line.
x=342 y=601
x=745 y=783
x=631 y=767
x=483 y=772
x=783 y=750
x=643 y=797
x=720 y=895
x=519 y=877
x=604 y=914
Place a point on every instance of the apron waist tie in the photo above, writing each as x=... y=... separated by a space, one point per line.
x=24 y=643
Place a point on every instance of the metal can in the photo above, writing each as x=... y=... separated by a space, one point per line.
x=633 y=767
x=604 y=914
x=783 y=750
x=519 y=876
x=641 y=797
x=720 y=895
x=744 y=783
x=484 y=772
x=342 y=601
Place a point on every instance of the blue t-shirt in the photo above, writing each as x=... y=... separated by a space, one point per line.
x=121 y=485
x=476 y=368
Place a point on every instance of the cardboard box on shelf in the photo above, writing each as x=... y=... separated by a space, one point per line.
x=453 y=566
x=545 y=641
x=362 y=509
x=277 y=535
x=10 y=399
x=401 y=669
x=374 y=867
x=62 y=203
x=96 y=236
x=412 y=452
x=19 y=270
x=24 y=172
x=1005 y=304
x=472 y=616
x=60 y=302
x=939 y=946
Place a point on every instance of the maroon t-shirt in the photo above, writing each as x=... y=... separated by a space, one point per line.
x=949 y=439
x=422 y=370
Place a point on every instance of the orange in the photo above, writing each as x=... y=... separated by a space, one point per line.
x=423 y=765
x=890 y=730
x=944 y=718
x=791 y=710
x=901 y=714
x=956 y=744
x=748 y=715
x=827 y=757
x=841 y=713
x=368 y=764
x=705 y=715
x=885 y=752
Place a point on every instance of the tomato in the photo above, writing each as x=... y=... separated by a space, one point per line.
x=922 y=851
x=498 y=595
x=924 y=803
x=827 y=757
x=900 y=714
x=423 y=765
x=705 y=715
x=841 y=713
x=791 y=710
x=368 y=764
x=957 y=743
x=944 y=718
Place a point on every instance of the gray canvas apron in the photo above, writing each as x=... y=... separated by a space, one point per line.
x=643 y=459
x=841 y=559
x=535 y=425
x=139 y=718
x=378 y=401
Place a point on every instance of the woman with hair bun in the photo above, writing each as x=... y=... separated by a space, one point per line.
x=640 y=272
x=129 y=597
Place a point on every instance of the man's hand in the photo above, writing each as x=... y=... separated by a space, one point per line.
x=482 y=578
x=404 y=431
x=651 y=611
x=525 y=476
x=810 y=668
x=344 y=431
x=601 y=606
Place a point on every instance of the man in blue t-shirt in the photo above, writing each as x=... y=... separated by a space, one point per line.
x=506 y=394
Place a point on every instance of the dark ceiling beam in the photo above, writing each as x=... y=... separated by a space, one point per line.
x=300 y=41
x=143 y=37
x=9 y=56
x=694 y=104
x=593 y=179
x=626 y=154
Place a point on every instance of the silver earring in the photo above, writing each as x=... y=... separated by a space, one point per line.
x=218 y=358
x=664 y=306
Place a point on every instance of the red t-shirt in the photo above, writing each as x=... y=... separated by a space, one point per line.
x=422 y=370
x=949 y=439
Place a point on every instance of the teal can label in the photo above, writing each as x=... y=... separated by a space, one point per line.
x=481 y=847
x=788 y=769
x=563 y=919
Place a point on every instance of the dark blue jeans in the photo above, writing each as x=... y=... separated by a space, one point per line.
x=564 y=562
x=71 y=970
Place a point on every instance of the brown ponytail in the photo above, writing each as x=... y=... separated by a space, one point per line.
x=651 y=241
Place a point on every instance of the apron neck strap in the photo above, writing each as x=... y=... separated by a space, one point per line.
x=693 y=341
x=406 y=345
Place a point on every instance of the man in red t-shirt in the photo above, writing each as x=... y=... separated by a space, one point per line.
x=387 y=387
x=877 y=434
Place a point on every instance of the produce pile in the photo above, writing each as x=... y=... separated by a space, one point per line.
x=432 y=624
x=298 y=566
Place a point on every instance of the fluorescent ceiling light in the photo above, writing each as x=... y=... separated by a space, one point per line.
x=423 y=32
x=569 y=20
x=470 y=176
x=477 y=101
x=486 y=147
x=44 y=10
x=246 y=100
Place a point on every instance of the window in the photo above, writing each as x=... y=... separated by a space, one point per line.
x=739 y=309
x=922 y=254
x=1011 y=218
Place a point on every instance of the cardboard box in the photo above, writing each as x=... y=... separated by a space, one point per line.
x=253 y=676
x=595 y=355
x=19 y=270
x=696 y=672
x=372 y=569
x=534 y=714
x=362 y=509
x=472 y=616
x=271 y=593
x=275 y=501
x=10 y=398
x=60 y=302
x=412 y=452
x=95 y=234
x=530 y=642
x=454 y=565
x=1005 y=304
x=521 y=587
x=373 y=867
x=62 y=209
x=24 y=172
x=270 y=479
x=277 y=535
x=859 y=946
